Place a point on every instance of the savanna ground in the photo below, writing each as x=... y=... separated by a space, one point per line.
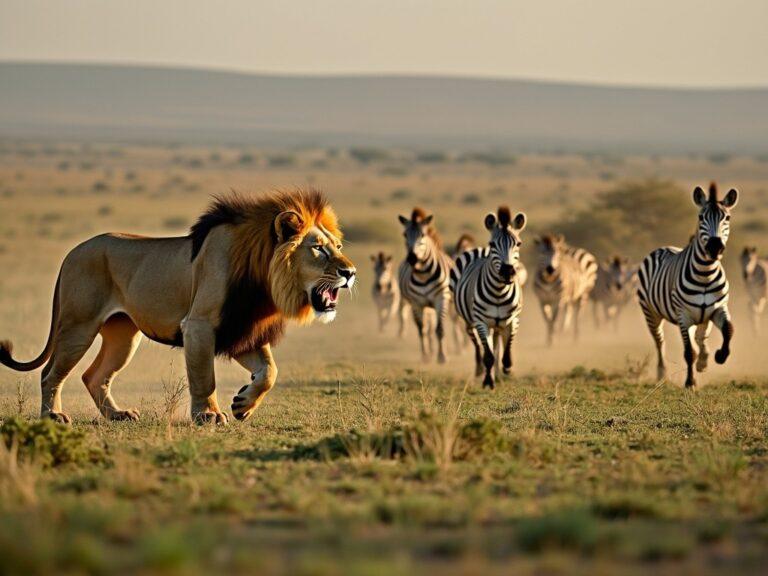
x=362 y=460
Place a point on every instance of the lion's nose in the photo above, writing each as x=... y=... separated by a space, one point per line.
x=348 y=273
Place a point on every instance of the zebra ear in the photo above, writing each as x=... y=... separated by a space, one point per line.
x=428 y=220
x=699 y=198
x=490 y=220
x=403 y=220
x=519 y=222
x=388 y=258
x=731 y=199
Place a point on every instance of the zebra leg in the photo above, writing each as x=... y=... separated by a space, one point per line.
x=554 y=312
x=418 y=318
x=702 y=333
x=596 y=313
x=488 y=360
x=441 y=310
x=509 y=336
x=478 y=350
x=657 y=333
x=576 y=310
x=402 y=312
x=722 y=320
x=688 y=351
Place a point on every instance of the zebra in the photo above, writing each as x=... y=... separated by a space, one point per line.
x=386 y=292
x=565 y=276
x=424 y=276
x=687 y=286
x=487 y=294
x=755 y=271
x=615 y=285
x=465 y=242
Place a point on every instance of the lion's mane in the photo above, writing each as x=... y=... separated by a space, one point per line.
x=263 y=287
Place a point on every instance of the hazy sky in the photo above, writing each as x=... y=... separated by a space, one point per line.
x=660 y=42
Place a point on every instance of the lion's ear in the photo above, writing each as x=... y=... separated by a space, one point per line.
x=287 y=225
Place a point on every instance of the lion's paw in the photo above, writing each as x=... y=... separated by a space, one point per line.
x=211 y=418
x=60 y=417
x=123 y=415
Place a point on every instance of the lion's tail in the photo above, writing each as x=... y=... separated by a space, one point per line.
x=6 y=347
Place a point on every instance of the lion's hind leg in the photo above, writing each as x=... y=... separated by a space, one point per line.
x=72 y=342
x=119 y=340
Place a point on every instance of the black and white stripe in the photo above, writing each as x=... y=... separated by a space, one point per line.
x=488 y=295
x=424 y=278
x=565 y=276
x=688 y=286
x=615 y=286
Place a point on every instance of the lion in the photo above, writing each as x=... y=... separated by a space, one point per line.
x=248 y=264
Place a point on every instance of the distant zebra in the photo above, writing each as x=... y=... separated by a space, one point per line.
x=564 y=279
x=385 y=291
x=615 y=286
x=487 y=293
x=464 y=243
x=755 y=270
x=688 y=286
x=424 y=277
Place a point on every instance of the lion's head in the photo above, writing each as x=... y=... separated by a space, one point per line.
x=308 y=269
x=286 y=262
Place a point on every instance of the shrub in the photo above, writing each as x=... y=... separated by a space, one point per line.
x=471 y=198
x=401 y=194
x=489 y=158
x=280 y=160
x=48 y=443
x=421 y=438
x=634 y=218
x=368 y=155
x=572 y=530
x=432 y=157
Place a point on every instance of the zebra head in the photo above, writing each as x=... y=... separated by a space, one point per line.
x=550 y=251
x=382 y=269
x=504 y=244
x=618 y=273
x=714 y=220
x=749 y=260
x=420 y=236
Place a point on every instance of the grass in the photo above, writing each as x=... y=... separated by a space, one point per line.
x=531 y=470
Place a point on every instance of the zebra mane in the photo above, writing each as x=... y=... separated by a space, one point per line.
x=713 y=192
x=505 y=216
x=419 y=215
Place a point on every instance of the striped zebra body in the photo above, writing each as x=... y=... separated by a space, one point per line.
x=615 y=286
x=487 y=294
x=424 y=278
x=565 y=277
x=755 y=272
x=688 y=286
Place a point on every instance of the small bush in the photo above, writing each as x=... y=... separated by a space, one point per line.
x=471 y=199
x=489 y=158
x=414 y=438
x=100 y=186
x=401 y=194
x=368 y=155
x=280 y=160
x=48 y=443
x=432 y=157
x=573 y=530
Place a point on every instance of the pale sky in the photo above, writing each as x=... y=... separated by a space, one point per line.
x=649 y=42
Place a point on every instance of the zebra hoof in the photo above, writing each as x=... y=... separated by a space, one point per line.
x=488 y=383
x=722 y=355
x=690 y=384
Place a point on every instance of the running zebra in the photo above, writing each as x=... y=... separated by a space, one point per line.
x=424 y=276
x=755 y=270
x=564 y=279
x=614 y=288
x=688 y=286
x=487 y=293
x=385 y=291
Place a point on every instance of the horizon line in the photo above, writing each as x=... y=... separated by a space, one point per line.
x=383 y=75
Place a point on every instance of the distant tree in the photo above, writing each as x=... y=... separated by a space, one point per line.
x=632 y=219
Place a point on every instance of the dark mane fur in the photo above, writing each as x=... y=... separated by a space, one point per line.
x=417 y=216
x=505 y=216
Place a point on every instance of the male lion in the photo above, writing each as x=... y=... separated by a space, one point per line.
x=227 y=288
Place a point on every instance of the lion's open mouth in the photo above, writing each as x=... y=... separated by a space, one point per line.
x=324 y=300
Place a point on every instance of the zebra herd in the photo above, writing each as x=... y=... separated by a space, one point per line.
x=481 y=287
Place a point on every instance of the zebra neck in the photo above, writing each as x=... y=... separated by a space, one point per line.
x=426 y=265
x=703 y=266
x=490 y=277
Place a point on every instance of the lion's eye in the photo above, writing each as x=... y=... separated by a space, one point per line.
x=317 y=250
x=338 y=247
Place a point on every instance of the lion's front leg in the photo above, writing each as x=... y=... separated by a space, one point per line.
x=199 y=352
x=263 y=371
